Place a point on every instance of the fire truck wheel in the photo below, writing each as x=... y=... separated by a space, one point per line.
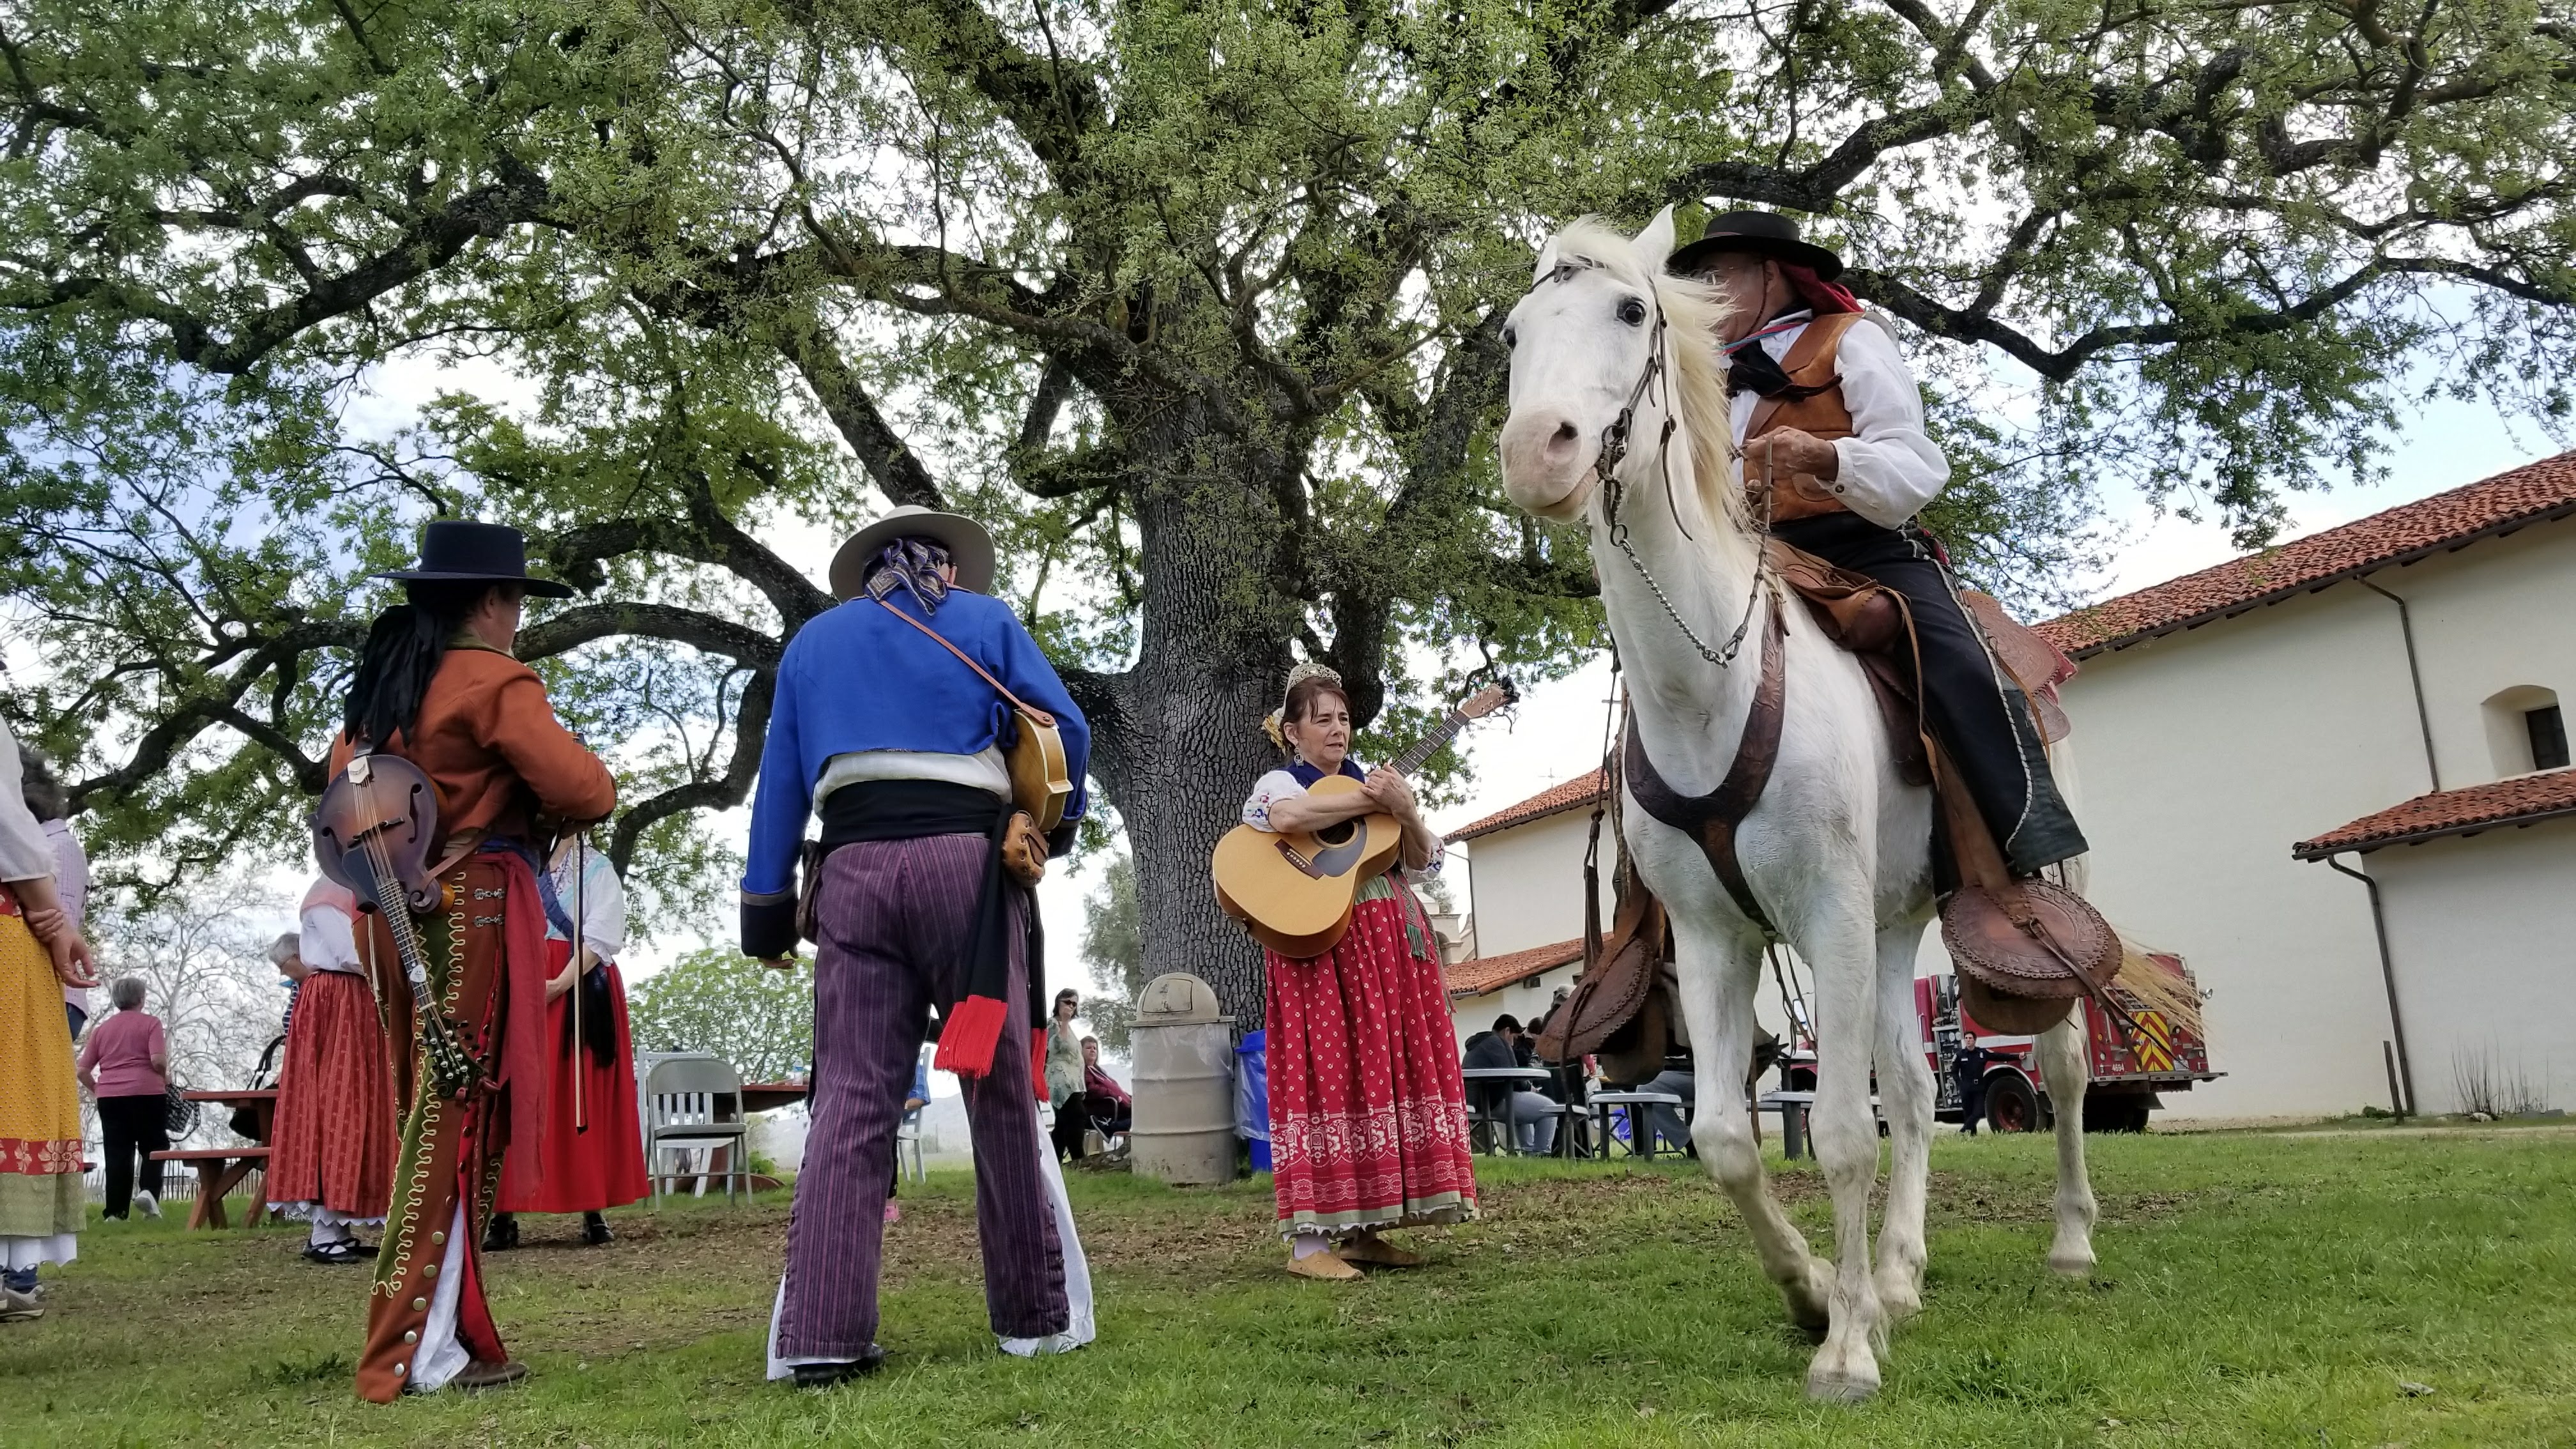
x=2011 y=1106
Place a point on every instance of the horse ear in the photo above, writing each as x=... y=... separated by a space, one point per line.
x=1546 y=261
x=1655 y=243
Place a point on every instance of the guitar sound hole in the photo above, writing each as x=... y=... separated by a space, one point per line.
x=1337 y=833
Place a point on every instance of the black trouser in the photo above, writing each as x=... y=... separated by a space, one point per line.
x=129 y=1125
x=1972 y=1109
x=1975 y=710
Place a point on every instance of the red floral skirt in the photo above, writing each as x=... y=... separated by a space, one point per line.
x=337 y=1129
x=579 y=1171
x=1368 y=1115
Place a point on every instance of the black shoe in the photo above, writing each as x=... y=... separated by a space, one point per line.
x=347 y=1250
x=594 y=1230
x=825 y=1375
x=501 y=1234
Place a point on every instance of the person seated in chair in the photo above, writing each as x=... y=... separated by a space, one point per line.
x=1829 y=423
x=1532 y=1116
x=1112 y=1111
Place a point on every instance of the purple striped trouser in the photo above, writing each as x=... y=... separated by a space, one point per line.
x=895 y=917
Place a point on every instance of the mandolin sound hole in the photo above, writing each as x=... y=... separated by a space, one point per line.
x=1337 y=833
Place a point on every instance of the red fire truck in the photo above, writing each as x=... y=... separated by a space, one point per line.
x=2130 y=1073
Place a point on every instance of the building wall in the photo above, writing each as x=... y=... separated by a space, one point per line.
x=1526 y=883
x=2199 y=758
x=2482 y=937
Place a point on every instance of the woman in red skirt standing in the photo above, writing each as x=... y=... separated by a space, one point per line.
x=1368 y=1115
x=600 y=1165
x=331 y=1154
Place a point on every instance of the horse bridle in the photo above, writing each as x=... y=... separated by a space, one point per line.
x=1614 y=451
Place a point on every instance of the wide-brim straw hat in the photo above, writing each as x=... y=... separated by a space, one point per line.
x=969 y=547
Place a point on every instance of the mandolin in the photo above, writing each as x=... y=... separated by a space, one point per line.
x=1293 y=889
x=372 y=833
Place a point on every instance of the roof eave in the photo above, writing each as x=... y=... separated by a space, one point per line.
x=2397 y=560
x=1481 y=829
x=2316 y=850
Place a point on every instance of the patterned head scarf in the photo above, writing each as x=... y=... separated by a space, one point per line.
x=914 y=565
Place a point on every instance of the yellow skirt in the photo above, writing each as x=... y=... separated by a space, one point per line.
x=40 y=1122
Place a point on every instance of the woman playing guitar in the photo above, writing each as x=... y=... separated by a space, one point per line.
x=1368 y=1118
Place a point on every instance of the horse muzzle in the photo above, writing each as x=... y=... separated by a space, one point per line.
x=1548 y=458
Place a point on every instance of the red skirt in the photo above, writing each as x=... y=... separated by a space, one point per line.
x=580 y=1172
x=336 y=1131
x=1368 y=1115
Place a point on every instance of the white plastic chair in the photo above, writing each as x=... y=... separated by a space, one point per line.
x=694 y=1104
x=907 y=1135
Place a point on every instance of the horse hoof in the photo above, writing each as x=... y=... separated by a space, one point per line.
x=2071 y=1262
x=1899 y=1300
x=1834 y=1387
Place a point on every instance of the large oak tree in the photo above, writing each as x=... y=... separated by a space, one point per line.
x=1196 y=304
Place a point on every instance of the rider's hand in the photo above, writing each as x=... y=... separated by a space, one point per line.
x=1789 y=453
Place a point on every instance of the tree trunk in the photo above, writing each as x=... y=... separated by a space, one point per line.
x=1185 y=744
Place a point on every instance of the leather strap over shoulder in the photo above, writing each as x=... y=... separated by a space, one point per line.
x=1041 y=716
x=1711 y=819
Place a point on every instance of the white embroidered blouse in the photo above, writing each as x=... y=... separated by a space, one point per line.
x=1280 y=785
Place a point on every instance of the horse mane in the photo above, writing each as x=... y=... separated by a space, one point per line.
x=1692 y=312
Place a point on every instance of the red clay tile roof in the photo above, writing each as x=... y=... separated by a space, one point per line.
x=1493 y=973
x=2518 y=801
x=2501 y=504
x=1554 y=800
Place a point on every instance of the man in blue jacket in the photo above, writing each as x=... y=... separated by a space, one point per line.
x=897 y=745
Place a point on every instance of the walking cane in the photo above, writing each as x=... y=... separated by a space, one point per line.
x=580 y=879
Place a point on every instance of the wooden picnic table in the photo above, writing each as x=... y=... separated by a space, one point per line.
x=221 y=1169
x=770 y=1096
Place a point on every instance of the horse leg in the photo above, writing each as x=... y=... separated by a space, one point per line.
x=1905 y=1097
x=1846 y=1142
x=1718 y=979
x=2061 y=1061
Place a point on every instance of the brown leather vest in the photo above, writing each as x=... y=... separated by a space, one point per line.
x=1812 y=362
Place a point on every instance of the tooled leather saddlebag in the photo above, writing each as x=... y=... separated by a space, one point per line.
x=2024 y=949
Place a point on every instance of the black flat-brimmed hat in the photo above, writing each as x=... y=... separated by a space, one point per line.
x=1766 y=232
x=969 y=547
x=455 y=550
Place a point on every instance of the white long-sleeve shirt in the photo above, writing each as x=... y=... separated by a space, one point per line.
x=600 y=902
x=1888 y=468
x=327 y=940
x=25 y=853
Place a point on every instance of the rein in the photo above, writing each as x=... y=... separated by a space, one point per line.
x=1614 y=451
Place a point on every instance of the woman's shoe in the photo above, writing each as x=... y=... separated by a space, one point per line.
x=17 y=1307
x=1327 y=1266
x=501 y=1234
x=1371 y=1248
x=347 y=1250
x=594 y=1230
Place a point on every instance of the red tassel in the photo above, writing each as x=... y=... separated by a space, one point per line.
x=1037 y=1061
x=972 y=1035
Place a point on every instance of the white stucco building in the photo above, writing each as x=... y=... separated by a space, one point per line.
x=2359 y=693
x=2384 y=695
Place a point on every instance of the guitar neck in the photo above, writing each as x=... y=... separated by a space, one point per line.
x=1430 y=744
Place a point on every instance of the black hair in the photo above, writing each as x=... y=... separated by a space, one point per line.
x=403 y=652
x=46 y=799
x=1507 y=1022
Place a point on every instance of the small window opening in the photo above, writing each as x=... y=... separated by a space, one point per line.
x=2548 y=730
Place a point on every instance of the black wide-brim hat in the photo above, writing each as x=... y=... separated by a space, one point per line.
x=455 y=550
x=1765 y=232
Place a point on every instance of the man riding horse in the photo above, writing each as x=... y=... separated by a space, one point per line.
x=1828 y=417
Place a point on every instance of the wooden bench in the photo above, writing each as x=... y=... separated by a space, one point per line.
x=219 y=1171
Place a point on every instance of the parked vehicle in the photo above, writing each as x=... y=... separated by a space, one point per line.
x=2130 y=1073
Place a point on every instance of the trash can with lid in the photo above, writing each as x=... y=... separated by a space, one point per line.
x=1184 y=1058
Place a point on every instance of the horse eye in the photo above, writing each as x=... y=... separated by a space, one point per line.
x=1511 y=338
x=1632 y=312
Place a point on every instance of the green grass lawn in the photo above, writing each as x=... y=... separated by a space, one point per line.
x=2253 y=1290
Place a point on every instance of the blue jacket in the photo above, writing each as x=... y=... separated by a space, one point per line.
x=854 y=679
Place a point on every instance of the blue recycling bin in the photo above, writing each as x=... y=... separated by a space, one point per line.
x=1252 y=1096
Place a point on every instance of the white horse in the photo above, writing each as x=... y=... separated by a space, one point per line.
x=1837 y=851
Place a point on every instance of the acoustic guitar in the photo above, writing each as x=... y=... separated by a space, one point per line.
x=1293 y=889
